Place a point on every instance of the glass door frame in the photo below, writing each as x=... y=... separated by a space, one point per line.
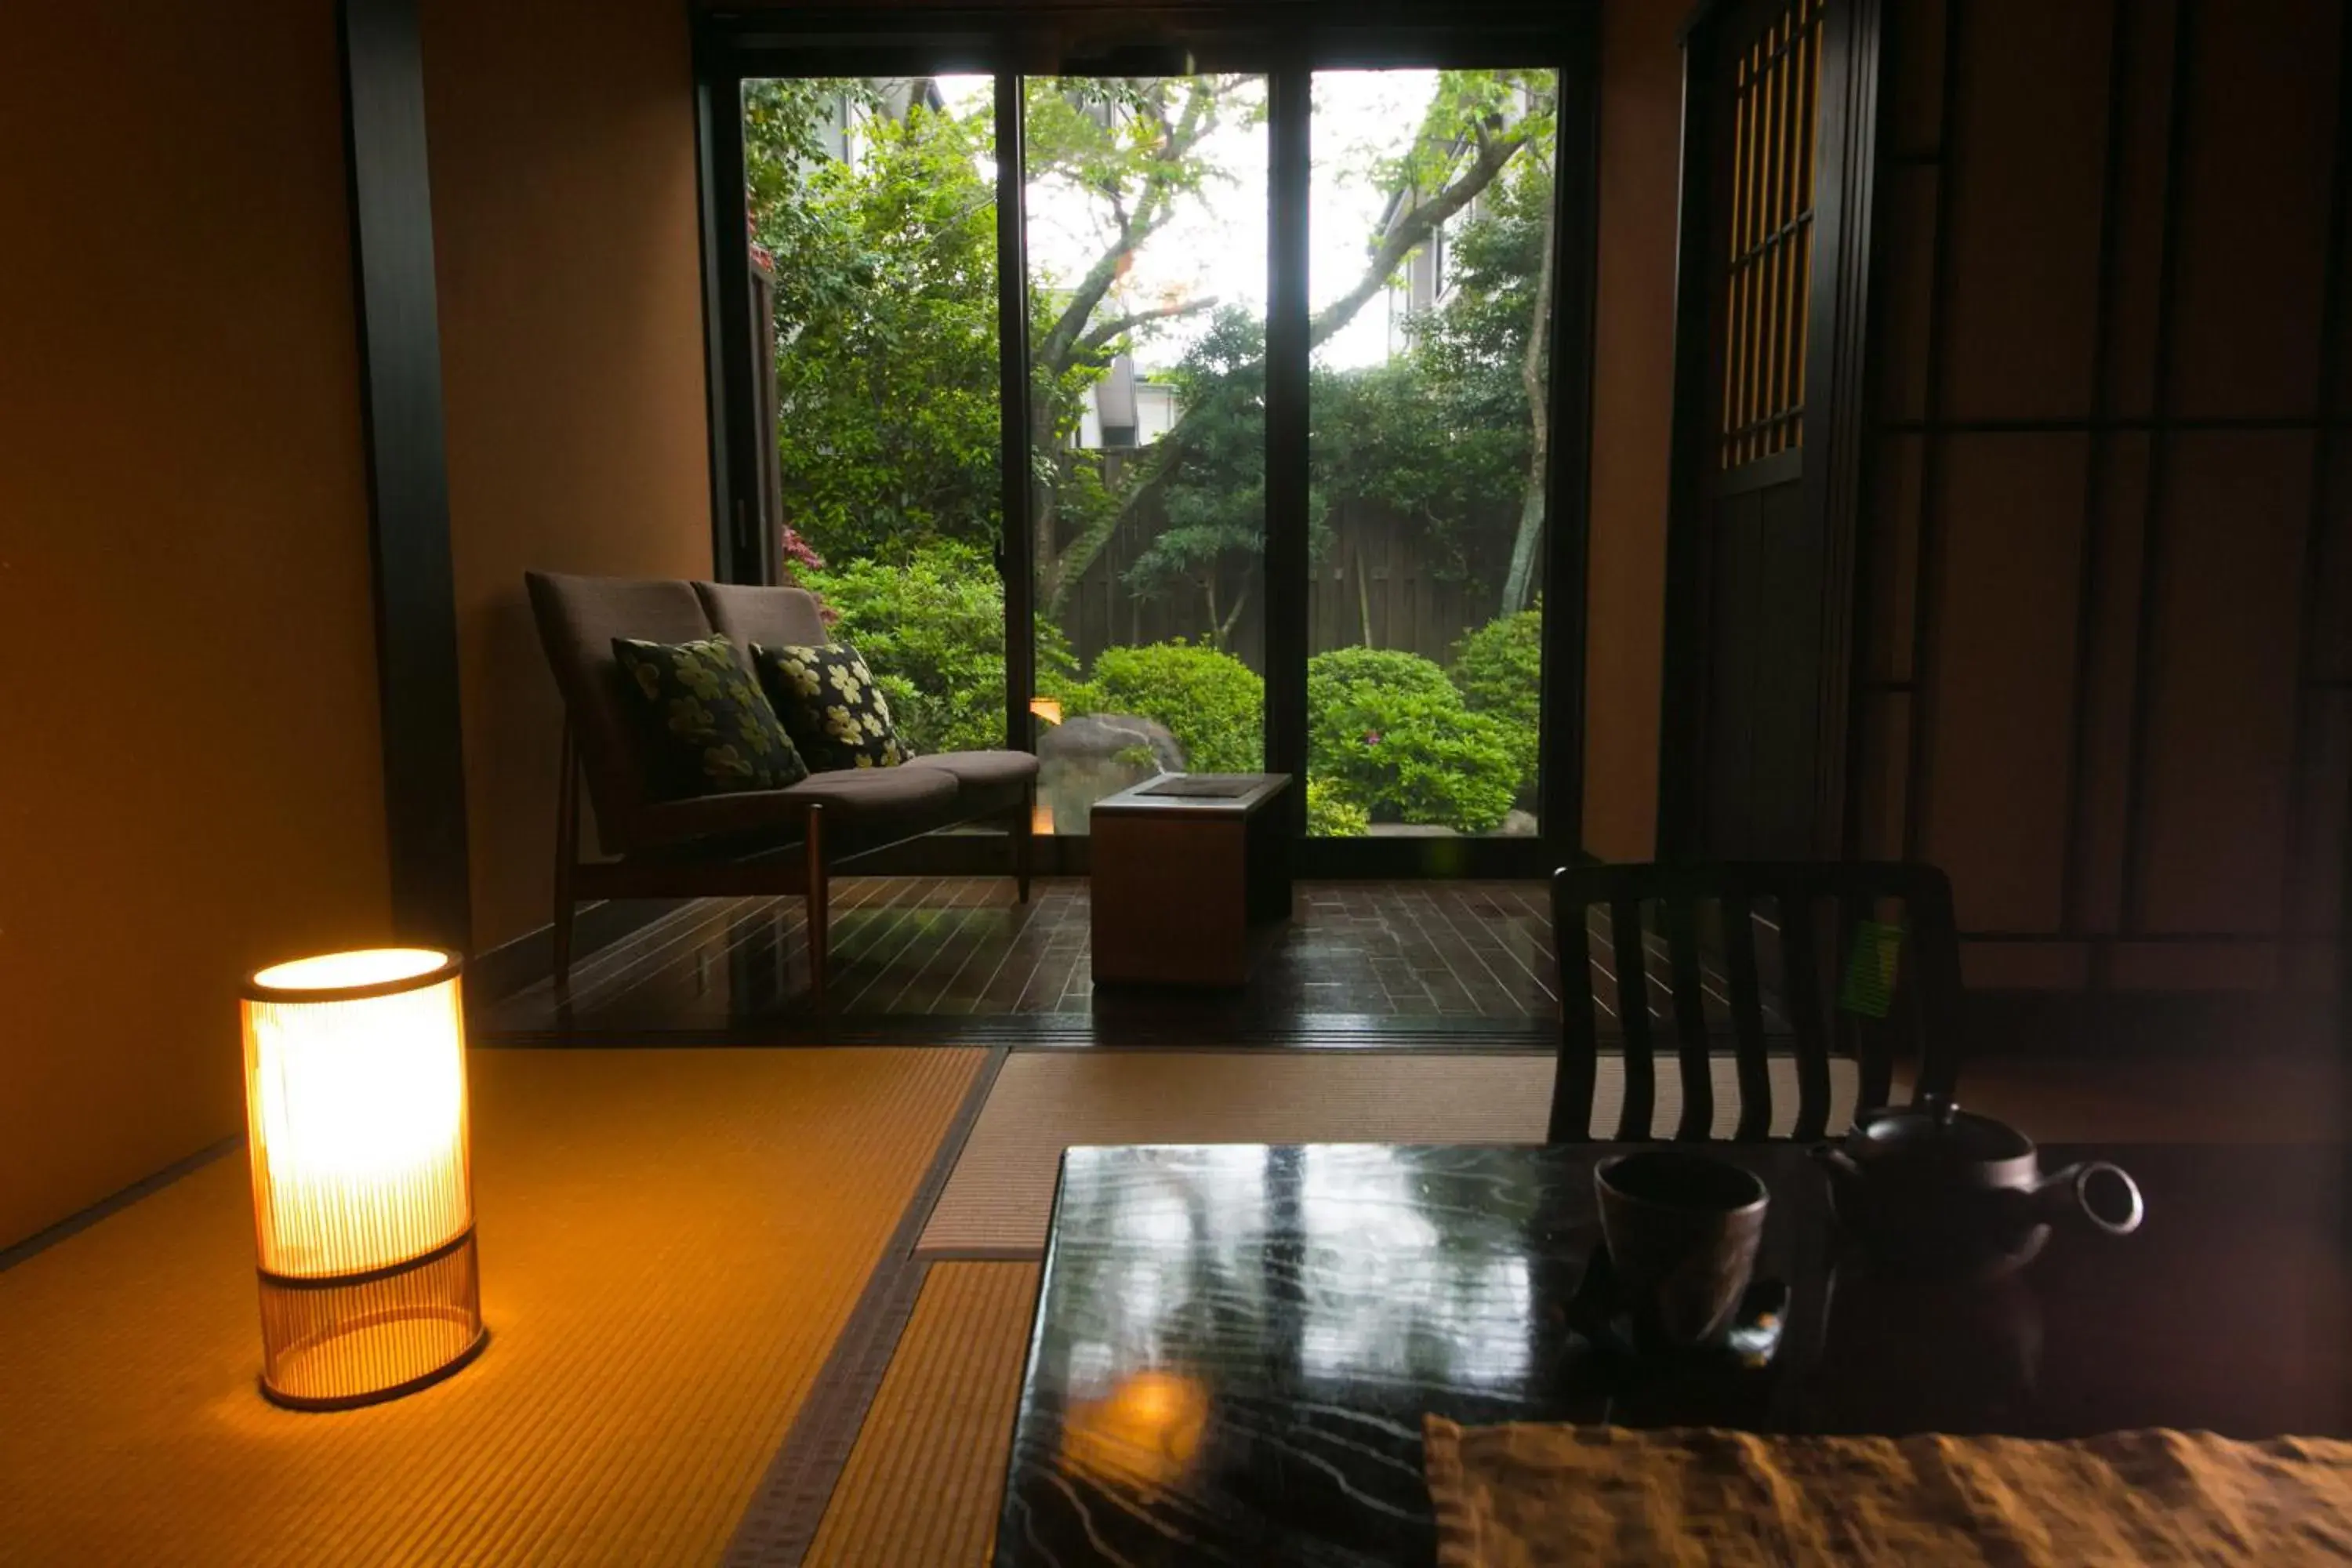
x=1287 y=48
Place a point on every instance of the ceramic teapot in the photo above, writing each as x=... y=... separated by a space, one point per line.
x=1933 y=1190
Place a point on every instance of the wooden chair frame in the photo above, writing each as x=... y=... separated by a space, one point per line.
x=772 y=873
x=1928 y=981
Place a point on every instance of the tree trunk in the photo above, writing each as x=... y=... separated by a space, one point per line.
x=1233 y=615
x=1517 y=585
x=1044 y=552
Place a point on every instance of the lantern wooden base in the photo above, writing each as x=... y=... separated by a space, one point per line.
x=335 y=1342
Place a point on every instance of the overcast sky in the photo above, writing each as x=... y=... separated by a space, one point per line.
x=1216 y=245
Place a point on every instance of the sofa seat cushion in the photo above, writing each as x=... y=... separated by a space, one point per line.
x=881 y=795
x=837 y=716
x=707 y=729
x=990 y=782
x=984 y=769
x=889 y=800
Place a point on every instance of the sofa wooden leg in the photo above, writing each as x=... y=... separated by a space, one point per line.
x=814 y=872
x=1024 y=841
x=567 y=855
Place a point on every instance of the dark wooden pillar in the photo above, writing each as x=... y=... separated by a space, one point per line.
x=408 y=486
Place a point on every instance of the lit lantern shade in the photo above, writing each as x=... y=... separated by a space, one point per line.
x=363 y=1196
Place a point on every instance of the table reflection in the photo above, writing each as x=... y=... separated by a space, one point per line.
x=1238 y=1344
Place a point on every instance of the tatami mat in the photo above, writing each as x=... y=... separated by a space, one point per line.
x=923 y=1484
x=670 y=1242
x=998 y=1198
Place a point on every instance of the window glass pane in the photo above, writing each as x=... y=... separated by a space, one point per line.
x=1146 y=214
x=872 y=214
x=1431 y=240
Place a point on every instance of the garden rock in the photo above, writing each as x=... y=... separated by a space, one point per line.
x=1095 y=754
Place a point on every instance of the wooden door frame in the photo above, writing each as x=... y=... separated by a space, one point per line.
x=1837 y=406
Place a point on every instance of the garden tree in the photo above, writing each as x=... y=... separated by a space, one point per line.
x=1130 y=150
x=1440 y=432
x=886 y=317
x=1214 y=502
x=887 y=328
x=1137 y=166
x=1489 y=343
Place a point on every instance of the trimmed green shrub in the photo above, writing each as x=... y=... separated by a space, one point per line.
x=1377 y=667
x=932 y=631
x=1211 y=701
x=1498 y=669
x=1390 y=732
x=1331 y=814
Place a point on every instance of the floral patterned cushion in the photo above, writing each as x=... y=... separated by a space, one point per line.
x=836 y=714
x=708 y=728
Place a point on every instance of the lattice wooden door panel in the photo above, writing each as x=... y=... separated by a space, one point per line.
x=1768 y=262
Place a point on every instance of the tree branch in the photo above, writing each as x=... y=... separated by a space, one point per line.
x=1096 y=337
x=1199 y=117
x=1416 y=225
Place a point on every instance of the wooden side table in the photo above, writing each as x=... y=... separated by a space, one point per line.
x=1189 y=872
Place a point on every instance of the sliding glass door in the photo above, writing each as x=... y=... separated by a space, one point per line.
x=1430 y=239
x=1038 y=405
x=1145 y=199
x=871 y=206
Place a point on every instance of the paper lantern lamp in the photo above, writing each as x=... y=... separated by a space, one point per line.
x=363 y=1198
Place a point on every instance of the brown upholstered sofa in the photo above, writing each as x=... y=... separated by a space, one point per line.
x=753 y=843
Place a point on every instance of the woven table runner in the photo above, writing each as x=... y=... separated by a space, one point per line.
x=1529 y=1494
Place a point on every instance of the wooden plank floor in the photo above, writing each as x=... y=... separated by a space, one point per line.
x=1463 y=953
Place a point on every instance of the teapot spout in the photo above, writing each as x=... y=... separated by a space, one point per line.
x=1835 y=1161
x=2095 y=1192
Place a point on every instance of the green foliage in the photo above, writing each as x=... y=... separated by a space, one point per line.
x=1441 y=432
x=932 y=631
x=1212 y=493
x=1343 y=670
x=1391 y=733
x=1498 y=668
x=887 y=340
x=1211 y=701
x=1331 y=814
x=885 y=318
x=1478 y=336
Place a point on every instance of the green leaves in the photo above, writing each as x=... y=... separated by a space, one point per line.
x=886 y=316
x=932 y=631
x=1211 y=703
x=1390 y=733
x=1498 y=669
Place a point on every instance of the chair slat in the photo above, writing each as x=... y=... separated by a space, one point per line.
x=1634 y=1018
x=1747 y=1018
x=1580 y=1042
x=1801 y=986
x=1690 y=1020
x=1935 y=964
x=1863 y=1039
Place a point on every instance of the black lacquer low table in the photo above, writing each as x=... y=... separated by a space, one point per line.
x=1236 y=1344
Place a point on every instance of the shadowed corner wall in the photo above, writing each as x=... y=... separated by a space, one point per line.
x=565 y=231
x=1633 y=327
x=2106 y=679
x=190 y=772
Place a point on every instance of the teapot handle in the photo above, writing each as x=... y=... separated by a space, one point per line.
x=2065 y=1195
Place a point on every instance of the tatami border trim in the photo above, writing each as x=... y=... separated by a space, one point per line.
x=782 y=1518
x=74 y=1224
